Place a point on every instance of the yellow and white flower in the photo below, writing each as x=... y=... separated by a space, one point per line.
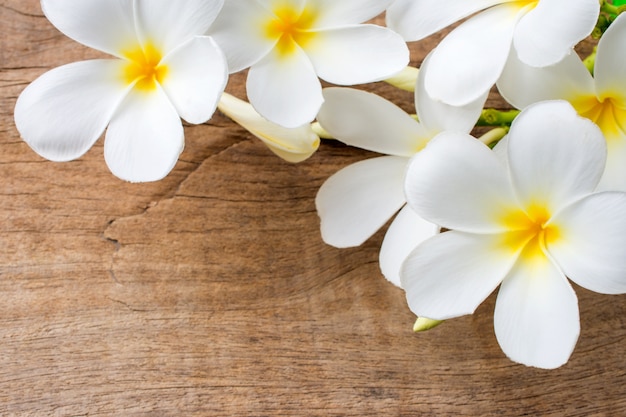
x=468 y=61
x=288 y=44
x=164 y=68
x=359 y=199
x=600 y=98
x=525 y=217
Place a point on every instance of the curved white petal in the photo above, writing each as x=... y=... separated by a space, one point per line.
x=240 y=32
x=438 y=116
x=450 y=274
x=610 y=66
x=614 y=177
x=333 y=13
x=536 y=316
x=196 y=78
x=522 y=85
x=357 y=54
x=555 y=156
x=285 y=89
x=404 y=234
x=144 y=138
x=64 y=111
x=468 y=61
x=549 y=32
x=291 y=144
x=166 y=23
x=359 y=199
x=368 y=121
x=106 y=25
x=415 y=20
x=457 y=182
x=591 y=242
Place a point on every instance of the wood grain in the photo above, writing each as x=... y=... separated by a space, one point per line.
x=211 y=293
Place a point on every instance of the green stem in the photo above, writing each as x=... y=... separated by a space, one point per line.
x=493 y=117
x=609 y=8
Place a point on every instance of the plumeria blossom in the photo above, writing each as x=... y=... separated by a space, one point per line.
x=164 y=68
x=359 y=199
x=291 y=144
x=601 y=97
x=469 y=59
x=288 y=44
x=524 y=217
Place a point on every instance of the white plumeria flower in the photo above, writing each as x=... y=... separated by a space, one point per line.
x=165 y=69
x=469 y=59
x=359 y=199
x=526 y=216
x=288 y=44
x=601 y=98
x=292 y=144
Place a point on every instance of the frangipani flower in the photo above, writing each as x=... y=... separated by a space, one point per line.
x=601 y=98
x=288 y=44
x=164 y=69
x=524 y=217
x=292 y=144
x=469 y=59
x=359 y=199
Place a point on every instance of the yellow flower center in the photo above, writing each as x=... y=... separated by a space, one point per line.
x=609 y=113
x=291 y=28
x=527 y=4
x=144 y=67
x=529 y=231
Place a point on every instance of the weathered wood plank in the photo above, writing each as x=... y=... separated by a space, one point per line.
x=211 y=292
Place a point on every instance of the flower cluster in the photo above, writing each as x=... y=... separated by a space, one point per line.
x=538 y=200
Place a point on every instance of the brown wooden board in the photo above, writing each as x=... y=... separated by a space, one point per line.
x=211 y=293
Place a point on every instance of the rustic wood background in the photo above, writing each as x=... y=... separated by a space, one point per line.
x=211 y=292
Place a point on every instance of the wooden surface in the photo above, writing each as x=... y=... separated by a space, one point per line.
x=211 y=293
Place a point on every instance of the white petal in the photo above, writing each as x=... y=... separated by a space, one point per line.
x=555 y=156
x=196 y=78
x=404 y=234
x=106 y=25
x=333 y=13
x=285 y=89
x=614 y=177
x=610 y=66
x=522 y=85
x=291 y=144
x=462 y=68
x=450 y=274
x=368 y=121
x=415 y=20
x=63 y=112
x=591 y=243
x=168 y=23
x=438 y=116
x=457 y=182
x=359 y=199
x=240 y=32
x=536 y=316
x=144 y=138
x=357 y=54
x=548 y=32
